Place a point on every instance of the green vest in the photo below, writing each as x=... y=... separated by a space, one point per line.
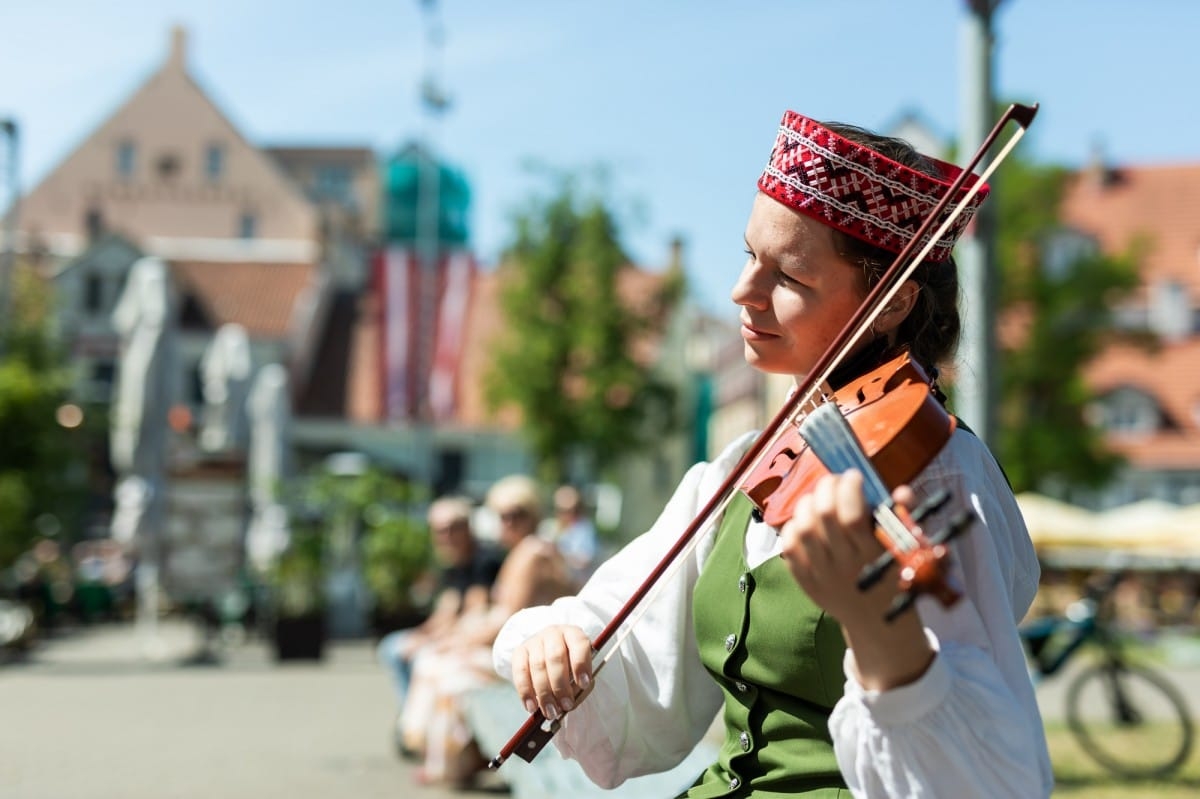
x=781 y=675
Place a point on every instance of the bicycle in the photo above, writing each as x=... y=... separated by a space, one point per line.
x=1125 y=716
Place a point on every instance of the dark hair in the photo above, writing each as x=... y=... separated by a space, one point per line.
x=932 y=327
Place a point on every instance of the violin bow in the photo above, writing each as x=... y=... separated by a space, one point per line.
x=537 y=731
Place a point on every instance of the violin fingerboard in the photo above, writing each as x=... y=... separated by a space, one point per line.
x=832 y=440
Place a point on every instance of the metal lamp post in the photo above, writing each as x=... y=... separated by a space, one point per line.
x=8 y=257
x=974 y=380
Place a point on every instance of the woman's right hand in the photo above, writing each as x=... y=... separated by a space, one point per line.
x=552 y=670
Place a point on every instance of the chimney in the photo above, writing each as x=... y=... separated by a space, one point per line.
x=178 y=56
x=1097 y=173
x=675 y=262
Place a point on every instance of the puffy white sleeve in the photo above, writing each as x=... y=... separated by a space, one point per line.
x=970 y=726
x=653 y=700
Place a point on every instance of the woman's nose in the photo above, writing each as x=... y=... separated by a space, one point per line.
x=746 y=291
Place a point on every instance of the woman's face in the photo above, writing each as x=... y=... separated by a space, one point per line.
x=796 y=293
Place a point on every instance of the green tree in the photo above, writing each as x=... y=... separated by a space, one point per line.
x=567 y=362
x=1063 y=306
x=41 y=472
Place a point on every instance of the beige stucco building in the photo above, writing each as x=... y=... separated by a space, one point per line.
x=169 y=170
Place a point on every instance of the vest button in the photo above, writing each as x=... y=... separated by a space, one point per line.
x=730 y=642
x=741 y=687
x=744 y=739
x=742 y=584
x=734 y=783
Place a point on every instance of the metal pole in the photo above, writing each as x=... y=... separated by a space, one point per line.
x=429 y=248
x=975 y=384
x=8 y=264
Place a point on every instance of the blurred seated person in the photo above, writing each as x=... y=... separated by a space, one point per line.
x=573 y=532
x=466 y=570
x=534 y=572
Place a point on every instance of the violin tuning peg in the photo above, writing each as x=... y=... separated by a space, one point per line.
x=872 y=572
x=901 y=603
x=932 y=504
x=957 y=526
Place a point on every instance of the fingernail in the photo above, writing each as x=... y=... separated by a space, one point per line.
x=552 y=712
x=530 y=705
x=568 y=704
x=585 y=681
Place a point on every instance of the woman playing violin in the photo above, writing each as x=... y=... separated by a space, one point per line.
x=818 y=695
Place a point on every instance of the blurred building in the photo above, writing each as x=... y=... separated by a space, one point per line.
x=1148 y=398
x=354 y=271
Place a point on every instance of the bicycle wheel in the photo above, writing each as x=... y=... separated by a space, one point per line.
x=1130 y=720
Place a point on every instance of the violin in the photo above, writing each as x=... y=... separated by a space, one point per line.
x=887 y=423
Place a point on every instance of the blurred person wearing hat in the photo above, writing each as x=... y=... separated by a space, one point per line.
x=764 y=626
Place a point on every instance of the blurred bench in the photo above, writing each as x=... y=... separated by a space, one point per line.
x=494 y=714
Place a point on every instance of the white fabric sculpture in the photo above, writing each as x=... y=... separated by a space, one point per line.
x=145 y=388
x=269 y=411
x=226 y=370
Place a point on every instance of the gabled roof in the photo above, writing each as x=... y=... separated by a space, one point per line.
x=110 y=242
x=169 y=118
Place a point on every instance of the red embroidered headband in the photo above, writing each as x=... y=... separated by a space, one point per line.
x=851 y=187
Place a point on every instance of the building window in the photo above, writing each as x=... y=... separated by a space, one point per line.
x=333 y=182
x=1170 y=310
x=1063 y=250
x=93 y=294
x=247 y=226
x=214 y=162
x=103 y=374
x=195 y=385
x=126 y=158
x=1130 y=411
x=93 y=223
x=168 y=166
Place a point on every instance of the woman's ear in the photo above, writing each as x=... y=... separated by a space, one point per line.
x=898 y=308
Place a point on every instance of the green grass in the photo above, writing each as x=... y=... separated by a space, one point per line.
x=1078 y=777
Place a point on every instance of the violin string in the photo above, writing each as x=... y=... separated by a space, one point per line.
x=833 y=441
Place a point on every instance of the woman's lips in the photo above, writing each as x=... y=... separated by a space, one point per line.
x=754 y=334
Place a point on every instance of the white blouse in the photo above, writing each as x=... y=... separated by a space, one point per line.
x=968 y=727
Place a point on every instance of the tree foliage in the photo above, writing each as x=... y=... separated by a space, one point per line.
x=332 y=514
x=41 y=470
x=567 y=362
x=1063 y=306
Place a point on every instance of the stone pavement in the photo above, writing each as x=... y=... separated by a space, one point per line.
x=113 y=713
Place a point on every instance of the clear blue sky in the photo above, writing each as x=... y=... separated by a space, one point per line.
x=679 y=98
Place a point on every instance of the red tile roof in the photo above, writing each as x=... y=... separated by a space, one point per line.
x=1161 y=202
x=259 y=296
